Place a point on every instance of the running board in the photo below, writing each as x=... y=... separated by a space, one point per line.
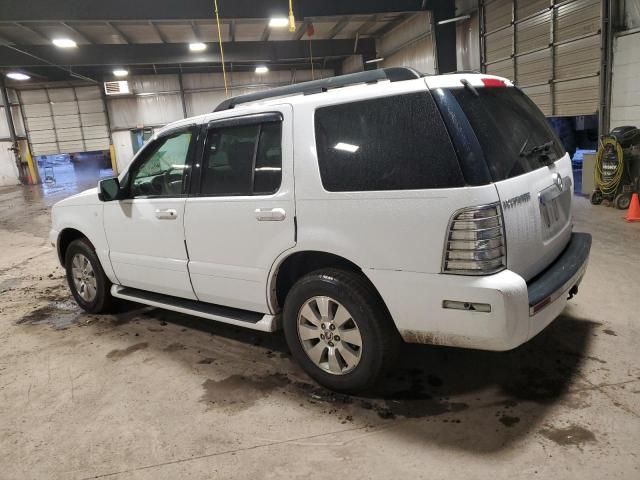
x=232 y=316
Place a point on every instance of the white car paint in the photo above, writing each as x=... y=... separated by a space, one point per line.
x=395 y=237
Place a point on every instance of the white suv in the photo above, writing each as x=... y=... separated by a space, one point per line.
x=354 y=212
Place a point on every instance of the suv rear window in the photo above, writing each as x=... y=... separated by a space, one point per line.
x=508 y=126
x=389 y=143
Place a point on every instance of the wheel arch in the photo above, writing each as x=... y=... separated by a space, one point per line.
x=65 y=237
x=292 y=267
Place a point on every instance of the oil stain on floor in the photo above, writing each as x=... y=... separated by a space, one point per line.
x=571 y=435
x=121 y=353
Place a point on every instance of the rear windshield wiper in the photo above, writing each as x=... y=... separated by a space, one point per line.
x=542 y=148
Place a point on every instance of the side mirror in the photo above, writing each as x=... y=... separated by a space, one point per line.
x=109 y=189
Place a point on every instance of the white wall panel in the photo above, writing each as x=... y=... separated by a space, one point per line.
x=129 y=112
x=17 y=122
x=409 y=45
x=415 y=27
x=154 y=83
x=123 y=147
x=468 y=43
x=8 y=168
x=352 y=64
x=625 y=94
x=198 y=103
x=418 y=55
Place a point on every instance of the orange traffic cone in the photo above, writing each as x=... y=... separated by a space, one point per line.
x=633 y=214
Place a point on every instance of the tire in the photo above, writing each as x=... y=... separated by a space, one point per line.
x=378 y=336
x=99 y=302
x=596 y=197
x=622 y=201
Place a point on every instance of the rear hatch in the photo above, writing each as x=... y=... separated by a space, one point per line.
x=529 y=168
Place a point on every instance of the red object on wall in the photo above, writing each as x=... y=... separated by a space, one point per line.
x=310 y=30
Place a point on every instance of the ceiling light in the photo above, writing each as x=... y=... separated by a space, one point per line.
x=375 y=60
x=279 y=22
x=197 y=47
x=121 y=73
x=347 y=147
x=64 y=43
x=262 y=69
x=18 y=76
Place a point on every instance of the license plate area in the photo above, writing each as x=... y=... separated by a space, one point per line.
x=550 y=212
x=555 y=206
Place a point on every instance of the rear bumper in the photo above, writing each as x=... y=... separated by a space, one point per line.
x=560 y=276
x=518 y=311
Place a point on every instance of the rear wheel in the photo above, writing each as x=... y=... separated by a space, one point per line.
x=87 y=281
x=339 y=330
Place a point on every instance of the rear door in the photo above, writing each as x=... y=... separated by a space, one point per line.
x=530 y=170
x=241 y=213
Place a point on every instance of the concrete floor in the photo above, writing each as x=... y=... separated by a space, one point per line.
x=148 y=394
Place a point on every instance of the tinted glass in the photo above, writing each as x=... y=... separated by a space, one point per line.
x=228 y=164
x=229 y=167
x=390 y=143
x=268 y=171
x=163 y=168
x=509 y=127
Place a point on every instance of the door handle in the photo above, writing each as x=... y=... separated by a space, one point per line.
x=270 y=214
x=168 y=214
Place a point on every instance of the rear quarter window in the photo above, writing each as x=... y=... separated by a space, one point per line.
x=390 y=143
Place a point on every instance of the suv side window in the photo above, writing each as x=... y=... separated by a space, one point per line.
x=390 y=143
x=243 y=160
x=163 y=167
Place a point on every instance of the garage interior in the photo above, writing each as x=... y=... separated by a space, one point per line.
x=147 y=393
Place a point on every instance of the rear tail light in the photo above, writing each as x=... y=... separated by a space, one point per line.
x=475 y=242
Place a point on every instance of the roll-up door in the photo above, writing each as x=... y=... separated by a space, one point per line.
x=65 y=120
x=550 y=48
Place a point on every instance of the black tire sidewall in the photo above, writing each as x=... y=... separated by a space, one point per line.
x=622 y=201
x=366 y=312
x=103 y=285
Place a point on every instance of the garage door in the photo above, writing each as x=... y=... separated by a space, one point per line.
x=551 y=49
x=65 y=120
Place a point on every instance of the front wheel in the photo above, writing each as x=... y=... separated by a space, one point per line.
x=87 y=281
x=339 y=331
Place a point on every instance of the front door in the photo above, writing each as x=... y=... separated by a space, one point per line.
x=145 y=230
x=240 y=216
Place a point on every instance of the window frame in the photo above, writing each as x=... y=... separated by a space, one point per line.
x=144 y=154
x=240 y=121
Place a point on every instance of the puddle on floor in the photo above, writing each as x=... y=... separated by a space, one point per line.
x=59 y=314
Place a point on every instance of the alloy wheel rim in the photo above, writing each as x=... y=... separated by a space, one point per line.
x=84 y=277
x=329 y=335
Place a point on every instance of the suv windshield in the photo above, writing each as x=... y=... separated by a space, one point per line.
x=512 y=131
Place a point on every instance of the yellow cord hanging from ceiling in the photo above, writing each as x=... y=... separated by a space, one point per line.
x=292 y=20
x=224 y=70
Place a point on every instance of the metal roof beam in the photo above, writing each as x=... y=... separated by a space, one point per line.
x=86 y=10
x=141 y=54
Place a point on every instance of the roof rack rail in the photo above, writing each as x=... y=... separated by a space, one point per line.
x=393 y=74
